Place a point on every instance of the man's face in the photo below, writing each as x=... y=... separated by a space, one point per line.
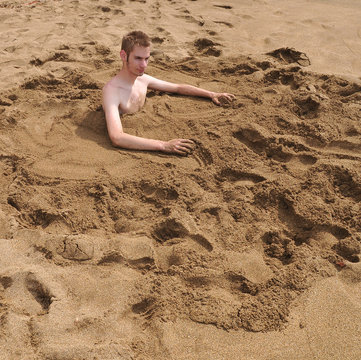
x=138 y=60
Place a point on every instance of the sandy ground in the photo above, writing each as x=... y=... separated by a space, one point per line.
x=247 y=249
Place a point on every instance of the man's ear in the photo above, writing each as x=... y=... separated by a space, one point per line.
x=123 y=55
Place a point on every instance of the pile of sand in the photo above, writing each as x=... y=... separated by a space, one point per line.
x=248 y=248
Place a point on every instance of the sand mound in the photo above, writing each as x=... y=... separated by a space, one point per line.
x=104 y=249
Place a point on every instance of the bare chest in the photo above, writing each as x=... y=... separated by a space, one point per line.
x=133 y=100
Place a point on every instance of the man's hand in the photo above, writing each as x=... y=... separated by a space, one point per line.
x=219 y=98
x=179 y=146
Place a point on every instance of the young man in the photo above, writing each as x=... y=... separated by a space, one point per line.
x=126 y=92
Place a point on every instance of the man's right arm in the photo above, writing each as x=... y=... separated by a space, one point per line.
x=120 y=139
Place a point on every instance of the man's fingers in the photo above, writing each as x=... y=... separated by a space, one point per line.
x=187 y=141
x=183 y=152
x=184 y=147
x=216 y=101
x=189 y=145
x=223 y=96
x=181 y=146
x=230 y=97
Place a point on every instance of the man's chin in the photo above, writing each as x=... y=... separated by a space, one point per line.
x=138 y=73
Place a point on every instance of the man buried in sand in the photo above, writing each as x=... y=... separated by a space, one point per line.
x=126 y=92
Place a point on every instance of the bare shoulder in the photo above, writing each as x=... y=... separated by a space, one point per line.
x=112 y=87
x=111 y=94
x=157 y=84
x=145 y=79
x=112 y=84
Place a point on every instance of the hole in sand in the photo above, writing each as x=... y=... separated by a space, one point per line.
x=169 y=229
x=143 y=306
x=6 y=281
x=39 y=291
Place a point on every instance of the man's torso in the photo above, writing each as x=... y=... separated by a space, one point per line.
x=131 y=99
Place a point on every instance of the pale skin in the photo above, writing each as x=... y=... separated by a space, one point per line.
x=126 y=92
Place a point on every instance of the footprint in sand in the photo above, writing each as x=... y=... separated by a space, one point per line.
x=307 y=215
x=290 y=55
x=207 y=47
x=173 y=231
x=135 y=251
x=288 y=77
x=239 y=177
x=155 y=193
x=26 y=293
x=280 y=149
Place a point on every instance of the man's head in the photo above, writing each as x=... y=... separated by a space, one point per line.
x=135 y=52
x=134 y=38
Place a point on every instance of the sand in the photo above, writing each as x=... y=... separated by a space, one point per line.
x=249 y=248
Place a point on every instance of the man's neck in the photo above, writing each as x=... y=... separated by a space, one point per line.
x=127 y=77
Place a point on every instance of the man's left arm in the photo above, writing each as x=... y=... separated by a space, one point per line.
x=190 y=90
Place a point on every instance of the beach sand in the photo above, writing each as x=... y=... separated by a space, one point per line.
x=249 y=248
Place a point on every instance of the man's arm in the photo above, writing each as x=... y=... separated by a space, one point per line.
x=120 y=139
x=190 y=90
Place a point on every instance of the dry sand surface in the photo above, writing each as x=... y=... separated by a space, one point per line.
x=249 y=248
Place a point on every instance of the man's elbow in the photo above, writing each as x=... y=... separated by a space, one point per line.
x=116 y=138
